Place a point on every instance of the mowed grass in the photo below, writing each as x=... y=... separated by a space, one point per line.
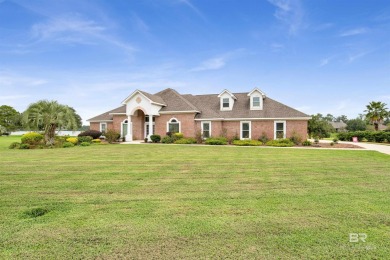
x=191 y=202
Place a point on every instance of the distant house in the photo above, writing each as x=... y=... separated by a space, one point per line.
x=339 y=126
x=245 y=115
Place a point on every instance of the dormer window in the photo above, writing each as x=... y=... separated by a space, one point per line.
x=225 y=102
x=256 y=99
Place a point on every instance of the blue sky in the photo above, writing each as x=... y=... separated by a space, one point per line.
x=317 y=56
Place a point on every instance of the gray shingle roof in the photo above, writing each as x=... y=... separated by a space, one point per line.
x=106 y=116
x=155 y=98
x=241 y=109
x=209 y=106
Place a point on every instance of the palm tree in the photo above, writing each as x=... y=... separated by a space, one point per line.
x=376 y=112
x=50 y=115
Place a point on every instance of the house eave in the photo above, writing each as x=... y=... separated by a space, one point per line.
x=252 y=119
x=179 y=112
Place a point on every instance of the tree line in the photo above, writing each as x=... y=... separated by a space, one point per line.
x=376 y=113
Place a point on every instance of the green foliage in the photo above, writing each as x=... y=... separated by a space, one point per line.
x=73 y=140
x=35 y=212
x=198 y=137
x=263 y=138
x=370 y=136
x=67 y=145
x=112 y=136
x=85 y=139
x=10 y=119
x=318 y=126
x=247 y=142
x=96 y=141
x=280 y=143
x=376 y=112
x=306 y=143
x=14 y=145
x=92 y=133
x=216 y=141
x=48 y=116
x=85 y=144
x=178 y=136
x=296 y=138
x=186 y=141
x=24 y=146
x=356 y=125
x=335 y=140
x=168 y=139
x=155 y=138
x=32 y=138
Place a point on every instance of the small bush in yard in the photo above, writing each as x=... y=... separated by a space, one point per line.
x=72 y=140
x=85 y=144
x=167 y=140
x=263 y=138
x=14 y=145
x=186 y=141
x=24 y=146
x=155 y=138
x=216 y=141
x=83 y=139
x=112 y=136
x=178 y=136
x=306 y=143
x=92 y=133
x=247 y=142
x=280 y=143
x=295 y=138
x=32 y=138
x=67 y=145
x=335 y=140
x=96 y=141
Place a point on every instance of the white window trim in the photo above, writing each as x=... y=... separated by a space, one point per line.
x=261 y=102
x=170 y=121
x=284 y=128
x=206 y=122
x=250 y=130
x=101 y=124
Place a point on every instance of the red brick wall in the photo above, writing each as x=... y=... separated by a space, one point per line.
x=299 y=126
x=189 y=127
x=260 y=127
x=187 y=124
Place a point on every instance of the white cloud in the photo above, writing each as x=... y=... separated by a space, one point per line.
x=139 y=24
x=356 y=56
x=75 y=29
x=326 y=61
x=219 y=61
x=353 y=32
x=289 y=12
x=193 y=8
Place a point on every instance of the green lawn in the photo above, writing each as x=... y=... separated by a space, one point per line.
x=171 y=201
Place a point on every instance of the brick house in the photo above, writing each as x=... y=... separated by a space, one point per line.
x=245 y=115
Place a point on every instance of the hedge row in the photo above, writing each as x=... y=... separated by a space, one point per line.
x=370 y=136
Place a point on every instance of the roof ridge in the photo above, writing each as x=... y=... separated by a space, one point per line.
x=180 y=96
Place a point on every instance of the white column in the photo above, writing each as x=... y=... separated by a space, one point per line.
x=150 y=127
x=129 y=136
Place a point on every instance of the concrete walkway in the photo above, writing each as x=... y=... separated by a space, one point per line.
x=373 y=147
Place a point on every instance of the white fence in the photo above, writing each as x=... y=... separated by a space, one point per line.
x=60 y=133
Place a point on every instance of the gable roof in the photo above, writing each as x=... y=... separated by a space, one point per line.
x=153 y=98
x=175 y=101
x=107 y=116
x=208 y=107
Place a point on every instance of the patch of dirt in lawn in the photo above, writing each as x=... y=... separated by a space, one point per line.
x=327 y=145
